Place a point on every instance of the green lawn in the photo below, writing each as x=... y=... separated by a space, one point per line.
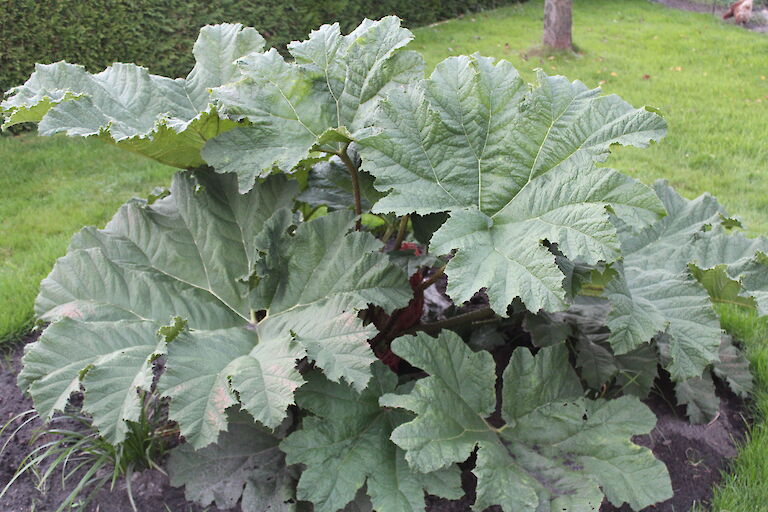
x=709 y=79
x=49 y=188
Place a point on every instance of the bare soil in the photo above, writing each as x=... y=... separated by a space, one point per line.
x=695 y=455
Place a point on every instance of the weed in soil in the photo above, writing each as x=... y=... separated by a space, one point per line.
x=114 y=491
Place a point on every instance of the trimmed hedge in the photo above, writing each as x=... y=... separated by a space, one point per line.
x=159 y=34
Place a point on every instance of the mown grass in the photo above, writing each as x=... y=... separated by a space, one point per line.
x=50 y=188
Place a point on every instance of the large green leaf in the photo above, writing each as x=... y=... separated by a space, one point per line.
x=346 y=445
x=165 y=119
x=556 y=450
x=672 y=272
x=697 y=235
x=733 y=368
x=634 y=372
x=112 y=359
x=245 y=462
x=698 y=394
x=733 y=268
x=752 y=275
x=214 y=258
x=584 y=323
x=514 y=166
x=310 y=301
x=699 y=398
x=654 y=301
x=317 y=101
x=657 y=291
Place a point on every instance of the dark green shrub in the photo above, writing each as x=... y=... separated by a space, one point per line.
x=159 y=34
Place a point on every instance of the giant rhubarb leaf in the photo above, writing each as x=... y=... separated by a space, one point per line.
x=698 y=394
x=733 y=368
x=656 y=290
x=584 y=323
x=245 y=463
x=649 y=302
x=112 y=359
x=555 y=451
x=214 y=258
x=165 y=119
x=346 y=445
x=732 y=267
x=514 y=166
x=317 y=101
x=752 y=275
x=699 y=398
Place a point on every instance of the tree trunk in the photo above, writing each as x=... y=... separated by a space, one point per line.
x=557 y=24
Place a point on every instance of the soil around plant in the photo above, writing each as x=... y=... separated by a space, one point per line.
x=694 y=454
x=758 y=23
x=151 y=489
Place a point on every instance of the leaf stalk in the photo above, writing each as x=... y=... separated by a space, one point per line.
x=354 y=174
x=455 y=321
x=432 y=279
x=401 y=232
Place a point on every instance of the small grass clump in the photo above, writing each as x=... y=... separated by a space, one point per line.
x=69 y=450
